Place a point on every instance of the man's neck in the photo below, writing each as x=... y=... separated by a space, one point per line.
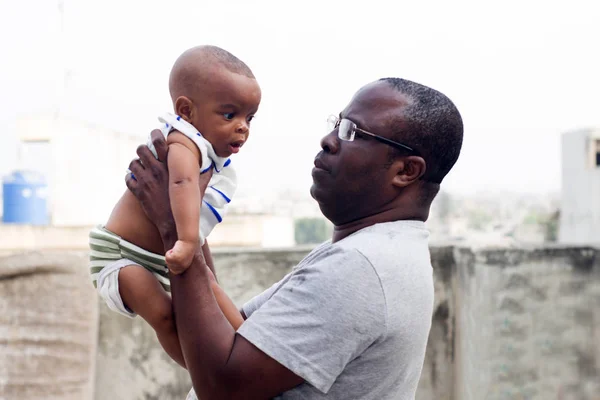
x=344 y=230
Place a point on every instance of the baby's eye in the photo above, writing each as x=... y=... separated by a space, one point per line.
x=250 y=118
x=229 y=116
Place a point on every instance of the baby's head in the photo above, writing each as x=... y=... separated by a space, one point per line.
x=217 y=93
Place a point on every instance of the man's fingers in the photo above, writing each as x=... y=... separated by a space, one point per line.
x=136 y=167
x=131 y=182
x=160 y=144
x=145 y=155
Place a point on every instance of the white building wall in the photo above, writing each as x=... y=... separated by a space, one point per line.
x=278 y=231
x=86 y=167
x=253 y=230
x=580 y=198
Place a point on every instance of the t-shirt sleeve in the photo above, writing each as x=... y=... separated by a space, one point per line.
x=257 y=301
x=321 y=318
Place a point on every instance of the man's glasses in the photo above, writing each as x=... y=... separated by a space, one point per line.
x=347 y=130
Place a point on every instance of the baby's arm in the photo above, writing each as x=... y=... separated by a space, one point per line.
x=184 y=191
x=227 y=306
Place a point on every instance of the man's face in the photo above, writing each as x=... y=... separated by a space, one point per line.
x=350 y=180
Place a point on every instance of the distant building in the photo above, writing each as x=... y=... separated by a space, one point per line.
x=85 y=165
x=253 y=230
x=580 y=199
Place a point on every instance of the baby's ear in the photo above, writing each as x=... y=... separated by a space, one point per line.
x=183 y=108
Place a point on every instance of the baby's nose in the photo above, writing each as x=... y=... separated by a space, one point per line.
x=242 y=128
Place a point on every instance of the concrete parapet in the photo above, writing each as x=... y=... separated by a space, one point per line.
x=48 y=327
x=519 y=323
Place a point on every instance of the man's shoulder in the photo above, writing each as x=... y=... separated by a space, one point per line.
x=375 y=241
x=328 y=254
x=388 y=236
x=393 y=249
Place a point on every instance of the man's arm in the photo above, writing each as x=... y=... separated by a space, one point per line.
x=221 y=363
x=208 y=258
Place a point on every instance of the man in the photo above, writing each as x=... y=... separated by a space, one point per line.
x=352 y=320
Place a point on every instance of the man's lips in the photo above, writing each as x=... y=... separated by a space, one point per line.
x=319 y=164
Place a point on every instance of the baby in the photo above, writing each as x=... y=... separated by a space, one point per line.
x=215 y=96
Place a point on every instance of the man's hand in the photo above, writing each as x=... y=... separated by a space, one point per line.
x=149 y=183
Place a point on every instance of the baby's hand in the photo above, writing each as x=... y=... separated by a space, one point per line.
x=180 y=257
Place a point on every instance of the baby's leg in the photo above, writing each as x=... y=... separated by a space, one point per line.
x=185 y=200
x=142 y=293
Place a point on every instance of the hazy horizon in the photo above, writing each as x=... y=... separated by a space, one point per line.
x=520 y=73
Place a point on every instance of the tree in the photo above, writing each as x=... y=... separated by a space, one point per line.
x=551 y=225
x=311 y=230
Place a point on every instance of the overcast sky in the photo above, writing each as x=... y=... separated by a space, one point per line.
x=520 y=72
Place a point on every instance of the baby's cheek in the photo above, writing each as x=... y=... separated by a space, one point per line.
x=199 y=125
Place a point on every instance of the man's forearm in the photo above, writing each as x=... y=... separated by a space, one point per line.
x=208 y=258
x=205 y=335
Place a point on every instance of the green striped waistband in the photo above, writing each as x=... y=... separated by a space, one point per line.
x=107 y=247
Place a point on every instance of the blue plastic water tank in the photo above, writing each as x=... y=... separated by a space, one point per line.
x=24 y=198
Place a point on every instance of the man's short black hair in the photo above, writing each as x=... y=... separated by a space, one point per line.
x=431 y=124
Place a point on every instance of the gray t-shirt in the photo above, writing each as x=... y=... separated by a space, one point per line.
x=353 y=318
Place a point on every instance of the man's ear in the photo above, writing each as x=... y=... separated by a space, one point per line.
x=184 y=108
x=407 y=170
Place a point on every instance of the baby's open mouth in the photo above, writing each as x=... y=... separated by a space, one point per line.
x=234 y=147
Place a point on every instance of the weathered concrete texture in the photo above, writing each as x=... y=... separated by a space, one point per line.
x=507 y=324
x=131 y=365
x=48 y=327
x=437 y=378
x=528 y=323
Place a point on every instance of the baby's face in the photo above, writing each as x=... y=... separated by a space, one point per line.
x=224 y=113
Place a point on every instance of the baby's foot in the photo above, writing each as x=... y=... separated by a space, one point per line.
x=180 y=257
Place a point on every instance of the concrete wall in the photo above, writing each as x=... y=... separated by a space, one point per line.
x=527 y=324
x=507 y=324
x=15 y=238
x=48 y=327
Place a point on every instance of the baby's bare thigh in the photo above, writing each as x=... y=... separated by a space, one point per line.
x=143 y=294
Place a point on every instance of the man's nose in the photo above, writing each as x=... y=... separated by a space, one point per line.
x=331 y=143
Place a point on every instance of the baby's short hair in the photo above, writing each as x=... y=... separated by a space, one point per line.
x=191 y=62
x=228 y=60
